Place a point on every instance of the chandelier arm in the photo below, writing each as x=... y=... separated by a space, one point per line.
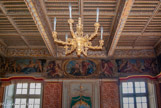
x=62 y=42
x=95 y=32
x=96 y=47
x=71 y=21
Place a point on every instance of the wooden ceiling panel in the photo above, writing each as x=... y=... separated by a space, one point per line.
x=13 y=41
x=35 y=40
x=15 y=6
x=5 y=25
x=17 y=19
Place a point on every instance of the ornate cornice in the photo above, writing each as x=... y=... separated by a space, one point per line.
x=90 y=53
x=40 y=25
x=158 y=49
x=130 y=53
x=18 y=52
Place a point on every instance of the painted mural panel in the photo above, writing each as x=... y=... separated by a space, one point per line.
x=23 y=66
x=28 y=66
x=80 y=67
x=53 y=69
x=108 y=68
x=137 y=66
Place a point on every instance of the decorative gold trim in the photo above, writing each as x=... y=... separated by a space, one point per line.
x=39 y=25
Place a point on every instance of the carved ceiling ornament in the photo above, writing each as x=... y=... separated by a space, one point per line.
x=39 y=25
x=130 y=53
x=28 y=52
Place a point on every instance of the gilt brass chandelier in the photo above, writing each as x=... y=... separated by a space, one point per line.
x=79 y=42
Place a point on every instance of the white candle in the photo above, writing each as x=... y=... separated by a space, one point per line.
x=97 y=15
x=70 y=10
x=101 y=33
x=66 y=37
x=55 y=24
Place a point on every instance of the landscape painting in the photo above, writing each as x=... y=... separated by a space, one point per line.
x=80 y=67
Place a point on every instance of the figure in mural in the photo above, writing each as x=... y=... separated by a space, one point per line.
x=107 y=68
x=137 y=66
x=75 y=70
x=29 y=68
x=80 y=67
x=54 y=70
x=38 y=66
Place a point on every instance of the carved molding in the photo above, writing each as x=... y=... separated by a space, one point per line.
x=28 y=52
x=40 y=26
x=158 y=49
x=90 y=53
x=134 y=53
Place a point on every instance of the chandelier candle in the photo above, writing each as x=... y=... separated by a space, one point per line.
x=66 y=37
x=55 y=24
x=70 y=10
x=97 y=15
x=101 y=33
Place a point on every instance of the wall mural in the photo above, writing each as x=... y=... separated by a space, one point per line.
x=107 y=68
x=78 y=68
x=137 y=66
x=54 y=70
x=28 y=66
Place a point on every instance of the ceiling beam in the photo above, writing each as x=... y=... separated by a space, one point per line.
x=3 y=43
x=159 y=41
x=149 y=20
x=14 y=24
x=120 y=20
x=139 y=33
x=32 y=47
x=42 y=22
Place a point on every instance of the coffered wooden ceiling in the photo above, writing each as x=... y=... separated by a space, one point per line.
x=128 y=24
